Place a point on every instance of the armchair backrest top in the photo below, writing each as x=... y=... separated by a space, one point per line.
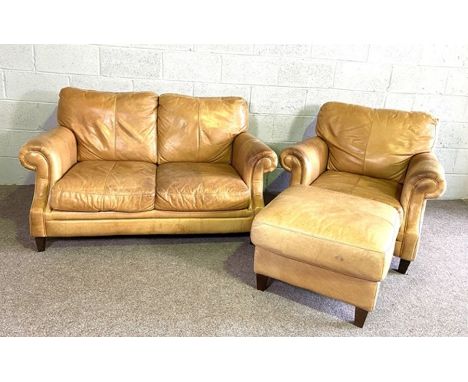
x=374 y=142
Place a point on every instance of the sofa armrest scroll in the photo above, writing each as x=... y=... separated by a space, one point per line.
x=252 y=158
x=305 y=160
x=425 y=176
x=50 y=155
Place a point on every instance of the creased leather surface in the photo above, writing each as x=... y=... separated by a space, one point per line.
x=252 y=159
x=329 y=229
x=93 y=186
x=50 y=154
x=373 y=142
x=358 y=292
x=110 y=126
x=200 y=187
x=305 y=160
x=192 y=129
x=381 y=190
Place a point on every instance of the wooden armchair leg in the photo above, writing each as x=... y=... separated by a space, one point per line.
x=403 y=266
x=262 y=282
x=40 y=243
x=360 y=316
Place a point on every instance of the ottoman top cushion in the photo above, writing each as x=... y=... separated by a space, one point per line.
x=329 y=229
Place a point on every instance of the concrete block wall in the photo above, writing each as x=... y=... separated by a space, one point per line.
x=284 y=85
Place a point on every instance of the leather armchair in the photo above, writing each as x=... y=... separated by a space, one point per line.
x=394 y=165
x=136 y=163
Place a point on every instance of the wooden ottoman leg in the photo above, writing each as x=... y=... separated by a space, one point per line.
x=40 y=243
x=403 y=266
x=360 y=316
x=262 y=282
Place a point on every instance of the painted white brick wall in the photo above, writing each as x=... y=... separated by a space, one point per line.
x=285 y=86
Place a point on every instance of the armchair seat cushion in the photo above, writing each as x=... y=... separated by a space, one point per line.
x=200 y=187
x=381 y=190
x=332 y=230
x=95 y=186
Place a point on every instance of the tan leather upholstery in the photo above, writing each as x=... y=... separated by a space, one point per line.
x=331 y=230
x=306 y=160
x=329 y=242
x=97 y=174
x=50 y=154
x=353 y=290
x=252 y=158
x=376 y=148
x=110 y=126
x=200 y=187
x=424 y=180
x=373 y=142
x=192 y=129
x=381 y=190
x=94 y=186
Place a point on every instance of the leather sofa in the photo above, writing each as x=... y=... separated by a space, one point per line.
x=136 y=163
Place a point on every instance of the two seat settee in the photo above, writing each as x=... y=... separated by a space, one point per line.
x=136 y=163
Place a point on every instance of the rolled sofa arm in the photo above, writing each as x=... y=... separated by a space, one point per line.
x=305 y=160
x=252 y=158
x=425 y=176
x=50 y=154
x=424 y=180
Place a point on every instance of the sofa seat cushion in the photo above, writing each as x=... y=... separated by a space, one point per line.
x=328 y=229
x=381 y=190
x=94 y=186
x=200 y=187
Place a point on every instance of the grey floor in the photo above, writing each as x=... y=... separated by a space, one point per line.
x=204 y=286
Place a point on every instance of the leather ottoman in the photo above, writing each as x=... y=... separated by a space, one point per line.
x=336 y=244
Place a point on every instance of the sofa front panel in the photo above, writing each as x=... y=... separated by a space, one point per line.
x=373 y=142
x=110 y=126
x=192 y=129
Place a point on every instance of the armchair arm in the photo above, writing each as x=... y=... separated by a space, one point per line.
x=252 y=158
x=424 y=180
x=424 y=177
x=305 y=160
x=50 y=154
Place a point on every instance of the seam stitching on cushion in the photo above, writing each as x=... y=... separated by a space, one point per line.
x=115 y=127
x=105 y=183
x=198 y=136
x=365 y=150
x=324 y=238
x=344 y=273
x=104 y=194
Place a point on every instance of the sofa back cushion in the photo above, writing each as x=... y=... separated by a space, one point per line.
x=192 y=129
x=374 y=142
x=110 y=126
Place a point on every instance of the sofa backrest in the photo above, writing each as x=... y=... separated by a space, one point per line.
x=192 y=129
x=110 y=126
x=374 y=142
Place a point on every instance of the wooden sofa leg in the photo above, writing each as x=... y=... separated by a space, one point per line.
x=403 y=266
x=40 y=243
x=262 y=282
x=360 y=316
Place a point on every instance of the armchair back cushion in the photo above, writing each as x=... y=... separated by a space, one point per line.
x=374 y=142
x=110 y=126
x=192 y=129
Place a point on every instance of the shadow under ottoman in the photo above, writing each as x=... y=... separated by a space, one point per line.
x=332 y=243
